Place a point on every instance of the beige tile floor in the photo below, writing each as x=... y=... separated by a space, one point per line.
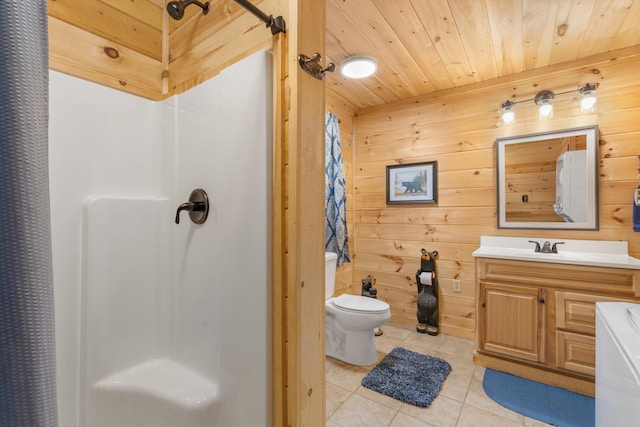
x=460 y=403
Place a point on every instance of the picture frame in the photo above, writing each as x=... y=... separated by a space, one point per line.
x=412 y=183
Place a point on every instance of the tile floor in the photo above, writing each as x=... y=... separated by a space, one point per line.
x=460 y=403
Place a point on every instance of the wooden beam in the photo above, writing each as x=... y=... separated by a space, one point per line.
x=305 y=225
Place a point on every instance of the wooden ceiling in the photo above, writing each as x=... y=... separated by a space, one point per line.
x=421 y=46
x=425 y=46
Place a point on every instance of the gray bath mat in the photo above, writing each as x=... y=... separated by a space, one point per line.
x=408 y=376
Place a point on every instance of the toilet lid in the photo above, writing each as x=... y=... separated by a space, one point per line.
x=360 y=304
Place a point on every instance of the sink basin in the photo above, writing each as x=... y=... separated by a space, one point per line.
x=580 y=252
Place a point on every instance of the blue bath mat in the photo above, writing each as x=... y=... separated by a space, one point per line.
x=408 y=376
x=542 y=402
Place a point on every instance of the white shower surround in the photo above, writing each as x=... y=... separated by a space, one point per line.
x=121 y=165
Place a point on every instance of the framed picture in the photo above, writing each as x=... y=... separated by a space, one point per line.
x=411 y=183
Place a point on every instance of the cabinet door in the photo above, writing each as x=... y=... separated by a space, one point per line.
x=511 y=321
x=576 y=352
x=576 y=311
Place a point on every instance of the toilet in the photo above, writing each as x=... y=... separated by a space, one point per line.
x=350 y=321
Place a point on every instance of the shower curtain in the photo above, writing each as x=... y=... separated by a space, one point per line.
x=27 y=341
x=336 y=239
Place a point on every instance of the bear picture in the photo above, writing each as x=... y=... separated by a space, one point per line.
x=411 y=183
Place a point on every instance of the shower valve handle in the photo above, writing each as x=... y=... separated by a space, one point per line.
x=197 y=206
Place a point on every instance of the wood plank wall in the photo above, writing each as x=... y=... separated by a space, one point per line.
x=136 y=48
x=458 y=129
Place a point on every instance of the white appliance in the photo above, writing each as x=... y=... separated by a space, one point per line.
x=617 y=364
x=571 y=186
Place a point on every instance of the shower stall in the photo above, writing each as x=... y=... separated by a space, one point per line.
x=157 y=323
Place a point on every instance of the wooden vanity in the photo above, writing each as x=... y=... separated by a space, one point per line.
x=536 y=319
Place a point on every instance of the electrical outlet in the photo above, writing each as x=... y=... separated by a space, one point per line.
x=457 y=285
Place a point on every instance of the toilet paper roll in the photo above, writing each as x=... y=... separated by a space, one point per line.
x=425 y=278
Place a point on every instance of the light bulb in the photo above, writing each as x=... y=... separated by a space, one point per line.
x=508 y=115
x=544 y=100
x=588 y=101
x=546 y=111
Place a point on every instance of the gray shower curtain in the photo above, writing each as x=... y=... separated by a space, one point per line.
x=27 y=346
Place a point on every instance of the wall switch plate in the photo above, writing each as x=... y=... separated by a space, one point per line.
x=457 y=285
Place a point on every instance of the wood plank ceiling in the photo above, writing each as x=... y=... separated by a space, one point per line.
x=424 y=46
x=421 y=46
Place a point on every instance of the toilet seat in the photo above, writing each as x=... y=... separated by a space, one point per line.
x=360 y=304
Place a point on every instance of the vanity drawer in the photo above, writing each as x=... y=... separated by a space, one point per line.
x=577 y=311
x=576 y=352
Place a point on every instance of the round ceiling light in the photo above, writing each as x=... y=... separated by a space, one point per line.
x=358 y=67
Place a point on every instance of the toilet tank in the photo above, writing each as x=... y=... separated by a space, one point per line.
x=330 y=264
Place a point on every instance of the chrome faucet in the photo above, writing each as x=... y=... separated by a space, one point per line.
x=546 y=247
x=554 y=249
x=537 y=249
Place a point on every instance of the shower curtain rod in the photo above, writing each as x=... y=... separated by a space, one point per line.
x=277 y=24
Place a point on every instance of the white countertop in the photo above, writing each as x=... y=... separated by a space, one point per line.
x=600 y=253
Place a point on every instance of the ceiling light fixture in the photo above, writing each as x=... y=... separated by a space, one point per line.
x=544 y=101
x=358 y=67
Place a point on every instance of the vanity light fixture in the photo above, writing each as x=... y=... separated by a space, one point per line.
x=508 y=115
x=588 y=101
x=544 y=101
x=358 y=67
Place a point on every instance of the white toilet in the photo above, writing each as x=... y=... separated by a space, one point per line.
x=350 y=321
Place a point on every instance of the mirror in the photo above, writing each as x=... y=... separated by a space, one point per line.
x=548 y=180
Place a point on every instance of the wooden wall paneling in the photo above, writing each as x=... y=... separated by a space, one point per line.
x=148 y=12
x=82 y=54
x=305 y=221
x=195 y=28
x=282 y=353
x=388 y=238
x=461 y=215
x=166 y=52
x=201 y=50
x=134 y=32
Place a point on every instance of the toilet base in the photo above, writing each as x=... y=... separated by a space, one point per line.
x=355 y=347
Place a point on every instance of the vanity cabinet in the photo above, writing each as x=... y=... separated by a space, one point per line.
x=512 y=319
x=537 y=320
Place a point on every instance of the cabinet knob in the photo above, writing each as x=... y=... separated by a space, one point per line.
x=541 y=300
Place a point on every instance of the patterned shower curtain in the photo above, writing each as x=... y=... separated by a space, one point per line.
x=336 y=239
x=27 y=338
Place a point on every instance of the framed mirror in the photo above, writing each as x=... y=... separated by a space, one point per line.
x=548 y=180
